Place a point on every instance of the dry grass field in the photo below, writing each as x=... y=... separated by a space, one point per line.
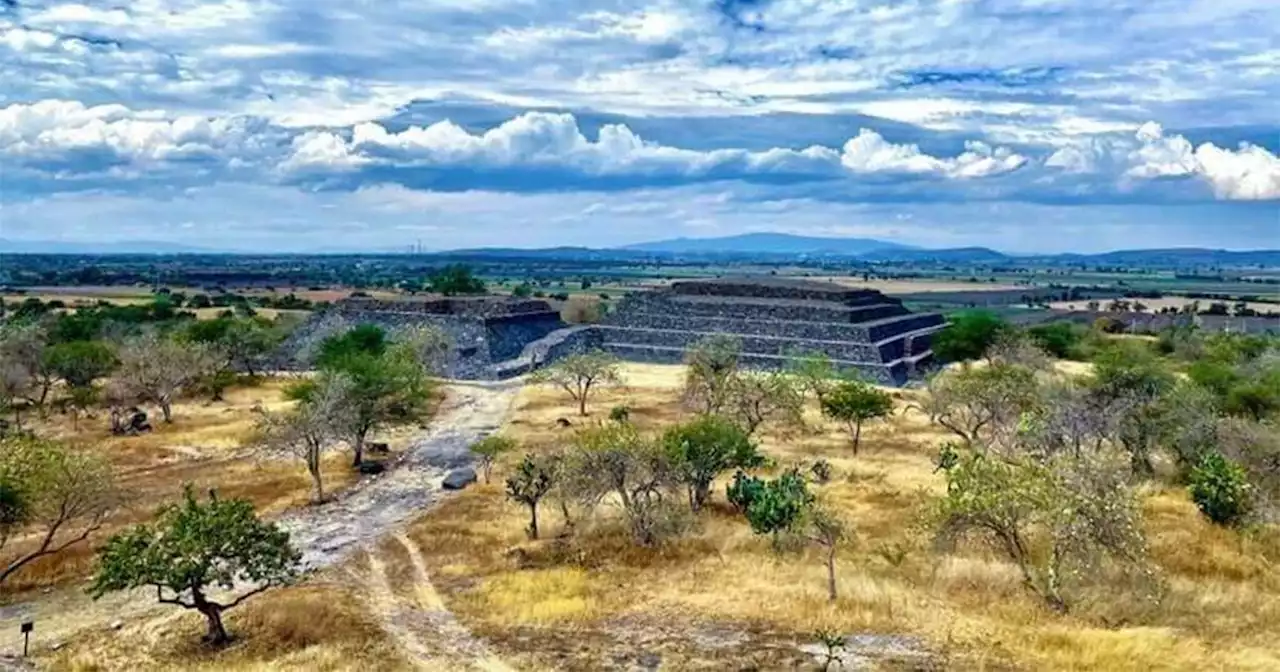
x=719 y=598
x=721 y=595
x=209 y=444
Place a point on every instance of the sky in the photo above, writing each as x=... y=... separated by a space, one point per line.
x=269 y=125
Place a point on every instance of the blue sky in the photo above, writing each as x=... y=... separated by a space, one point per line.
x=1025 y=125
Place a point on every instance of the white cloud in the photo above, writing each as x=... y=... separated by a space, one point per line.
x=538 y=139
x=56 y=130
x=1246 y=173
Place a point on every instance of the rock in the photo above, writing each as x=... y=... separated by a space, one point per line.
x=377 y=448
x=649 y=660
x=369 y=468
x=116 y=624
x=563 y=422
x=459 y=479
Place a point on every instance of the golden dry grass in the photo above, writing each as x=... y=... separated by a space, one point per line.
x=320 y=625
x=579 y=602
x=209 y=444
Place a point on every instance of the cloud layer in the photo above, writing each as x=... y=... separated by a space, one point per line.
x=919 y=105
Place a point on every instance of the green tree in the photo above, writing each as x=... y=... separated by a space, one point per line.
x=704 y=448
x=579 y=374
x=1132 y=381
x=1060 y=339
x=312 y=426
x=757 y=397
x=968 y=335
x=79 y=363
x=391 y=386
x=1066 y=522
x=815 y=372
x=532 y=480
x=1221 y=490
x=854 y=403
x=59 y=494
x=455 y=279
x=192 y=548
x=615 y=462
x=522 y=291
x=489 y=449
x=364 y=339
x=712 y=368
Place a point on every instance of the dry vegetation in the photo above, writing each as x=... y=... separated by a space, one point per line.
x=722 y=595
x=914 y=286
x=1175 y=302
x=717 y=599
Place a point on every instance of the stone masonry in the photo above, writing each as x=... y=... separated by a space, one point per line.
x=775 y=319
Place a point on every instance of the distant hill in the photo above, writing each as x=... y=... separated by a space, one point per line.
x=768 y=243
x=956 y=255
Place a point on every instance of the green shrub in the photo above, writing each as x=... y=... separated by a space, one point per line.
x=1221 y=490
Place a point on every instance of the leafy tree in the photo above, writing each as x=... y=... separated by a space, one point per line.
x=982 y=405
x=79 y=363
x=968 y=335
x=311 y=427
x=522 y=291
x=1221 y=490
x=704 y=448
x=758 y=397
x=455 y=279
x=1060 y=339
x=1066 y=522
x=61 y=494
x=615 y=462
x=579 y=374
x=245 y=342
x=491 y=448
x=364 y=339
x=385 y=387
x=1132 y=380
x=712 y=370
x=191 y=548
x=532 y=480
x=853 y=403
x=815 y=372
x=156 y=369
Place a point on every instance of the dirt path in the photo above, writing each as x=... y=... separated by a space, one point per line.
x=427 y=632
x=326 y=534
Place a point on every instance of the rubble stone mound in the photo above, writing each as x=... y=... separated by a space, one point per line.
x=775 y=319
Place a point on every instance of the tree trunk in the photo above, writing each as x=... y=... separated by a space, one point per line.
x=582 y=403
x=358 y=451
x=166 y=408
x=857 y=436
x=533 y=521
x=313 y=466
x=831 y=572
x=701 y=493
x=217 y=634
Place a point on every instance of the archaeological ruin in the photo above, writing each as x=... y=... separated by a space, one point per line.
x=774 y=319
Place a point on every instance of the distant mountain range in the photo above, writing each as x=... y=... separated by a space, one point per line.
x=770 y=243
x=759 y=246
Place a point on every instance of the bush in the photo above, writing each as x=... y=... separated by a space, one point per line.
x=1060 y=339
x=620 y=414
x=1221 y=490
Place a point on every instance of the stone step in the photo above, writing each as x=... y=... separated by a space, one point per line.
x=890 y=373
x=873 y=331
x=760 y=309
x=751 y=343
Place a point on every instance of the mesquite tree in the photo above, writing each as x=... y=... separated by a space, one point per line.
x=489 y=449
x=59 y=494
x=853 y=403
x=704 y=448
x=532 y=480
x=192 y=548
x=312 y=427
x=156 y=369
x=579 y=374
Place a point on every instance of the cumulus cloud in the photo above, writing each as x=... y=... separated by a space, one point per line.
x=79 y=137
x=538 y=139
x=1246 y=173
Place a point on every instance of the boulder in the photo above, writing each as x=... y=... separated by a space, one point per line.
x=459 y=479
x=377 y=448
